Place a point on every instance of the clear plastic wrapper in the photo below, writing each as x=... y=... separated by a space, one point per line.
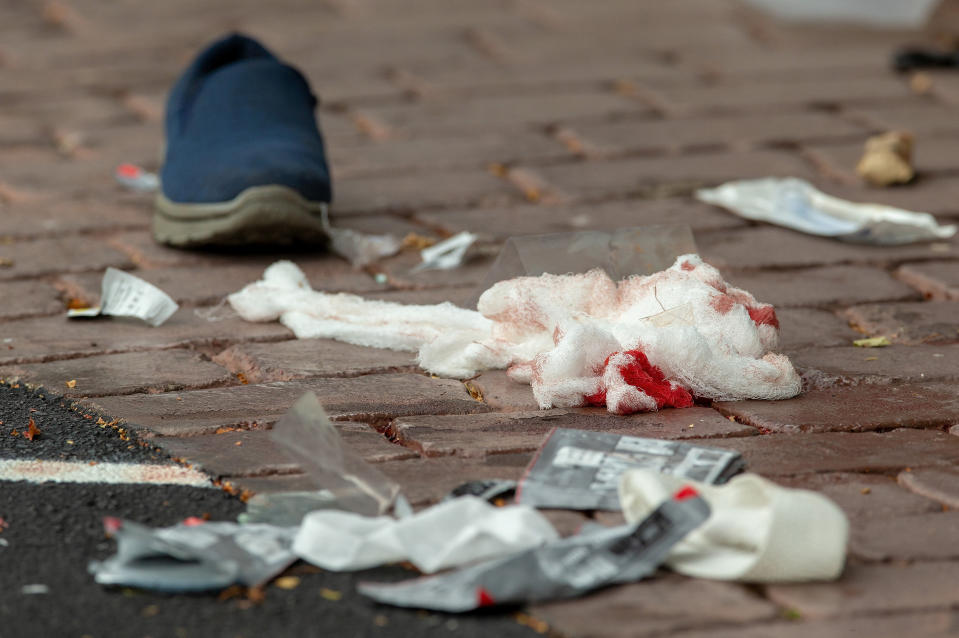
x=579 y=469
x=797 y=204
x=186 y=558
x=452 y=533
x=126 y=295
x=285 y=508
x=569 y=567
x=308 y=436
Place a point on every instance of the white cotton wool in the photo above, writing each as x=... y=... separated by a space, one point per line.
x=556 y=332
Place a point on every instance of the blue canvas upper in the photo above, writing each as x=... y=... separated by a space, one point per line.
x=238 y=117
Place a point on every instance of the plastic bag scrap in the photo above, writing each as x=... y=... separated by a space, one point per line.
x=360 y=249
x=447 y=254
x=578 y=469
x=308 y=436
x=126 y=295
x=194 y=557
x=757 y=532
x=797 y=204
x=561 y=569
x=452 y=533
x=637 y=345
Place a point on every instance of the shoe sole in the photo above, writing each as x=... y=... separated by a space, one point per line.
x=272 y=214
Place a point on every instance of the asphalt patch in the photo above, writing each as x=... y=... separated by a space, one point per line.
x=64 y=434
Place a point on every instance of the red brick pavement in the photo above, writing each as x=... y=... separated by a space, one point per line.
x=507 y=117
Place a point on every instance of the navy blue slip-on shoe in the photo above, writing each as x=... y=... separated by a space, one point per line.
x=244 y=160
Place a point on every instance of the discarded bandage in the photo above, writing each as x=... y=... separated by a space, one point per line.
x=595 y=558
x=194 y=557
x=579 y=469
x=635 y=345
x=796 y=204
x=453 y=533
x=757 y=531
x=126 y=295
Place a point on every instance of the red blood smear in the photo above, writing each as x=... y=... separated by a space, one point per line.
x=651 y=380
x=193 y=521
x=765 y=315
x=128 y=170
x=722 y=304
x=685 y=493
x=483 y=598
x=687 y=266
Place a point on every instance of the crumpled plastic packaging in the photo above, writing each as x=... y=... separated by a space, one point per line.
x=126 y=295
x=580 y=469
x=201 y=557
x=697 y=336
x=565 y=568
x=757 y=532
x=307 y=435
x=360 y=249
x=797 y=204
x=455 y=532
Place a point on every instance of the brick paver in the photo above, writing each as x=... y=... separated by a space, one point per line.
x=511 y=118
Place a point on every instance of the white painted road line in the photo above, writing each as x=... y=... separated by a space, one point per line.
x=40 y=471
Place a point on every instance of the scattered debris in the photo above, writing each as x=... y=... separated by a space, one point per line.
x=488 y=490
x=360 y=249
x=912 y=58
x=194 y=557
x=579 y=469
x=6 y=262
x=126 y=295
x=872 y=342
x=287 y=582
x=757 y=531
x=72 y=383
x=32 y=430
x=887 y=159
x=136 y=178
x=34 y=589
x=797 y=204
x=307 y=435
x=455 y=532
x=415 y=241
x=447 y=254
x=596 y=557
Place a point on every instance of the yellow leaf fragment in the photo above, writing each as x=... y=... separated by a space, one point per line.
x=331 y=594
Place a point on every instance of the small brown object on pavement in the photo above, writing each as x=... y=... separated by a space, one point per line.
x=887 y=159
